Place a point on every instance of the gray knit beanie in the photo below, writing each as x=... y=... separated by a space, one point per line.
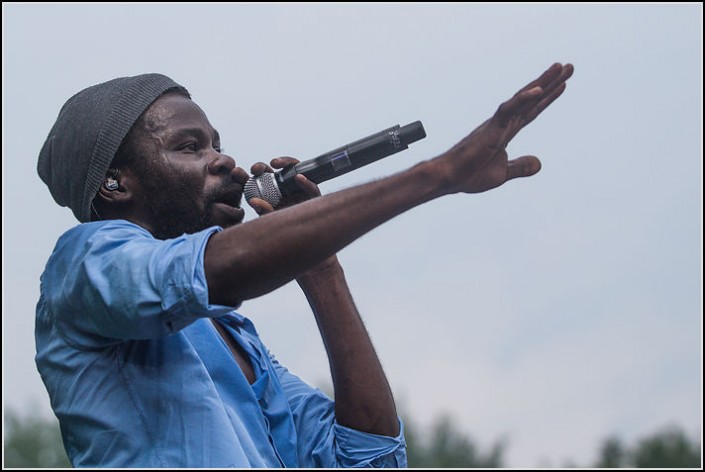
x=87 y=134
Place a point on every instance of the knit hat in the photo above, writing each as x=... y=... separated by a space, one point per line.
x=87 y=134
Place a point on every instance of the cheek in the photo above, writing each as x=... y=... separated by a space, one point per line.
x=185 y=176
x=177 y=175
x=183 y=189
x=188 y=192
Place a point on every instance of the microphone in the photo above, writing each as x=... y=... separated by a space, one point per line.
x=272 y=187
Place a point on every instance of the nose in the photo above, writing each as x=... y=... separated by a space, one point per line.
x=221 y=164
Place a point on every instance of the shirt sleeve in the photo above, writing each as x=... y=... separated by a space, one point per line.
x=113 y=281
x=322 y=442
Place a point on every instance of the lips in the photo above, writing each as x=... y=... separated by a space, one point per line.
x=232 y=198
x=228 y=202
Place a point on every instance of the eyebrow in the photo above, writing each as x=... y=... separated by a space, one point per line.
x=199 y=132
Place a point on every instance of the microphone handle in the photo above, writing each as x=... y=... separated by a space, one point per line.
x=351 y=156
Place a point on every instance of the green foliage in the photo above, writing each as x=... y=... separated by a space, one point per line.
x=612 y=454
x=668 y=448
x=444 y=446
x=33 y=442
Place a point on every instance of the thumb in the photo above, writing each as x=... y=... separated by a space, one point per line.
x=524 y=166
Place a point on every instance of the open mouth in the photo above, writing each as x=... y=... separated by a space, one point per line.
x=229 y=203
x=233 y=199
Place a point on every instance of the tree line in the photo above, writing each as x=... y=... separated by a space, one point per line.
x=31 y=441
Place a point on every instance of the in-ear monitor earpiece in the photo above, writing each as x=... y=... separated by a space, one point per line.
x=111 y=184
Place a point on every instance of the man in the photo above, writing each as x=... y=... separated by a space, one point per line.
x=146 y=362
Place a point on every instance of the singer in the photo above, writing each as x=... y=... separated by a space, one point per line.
x=143 y=355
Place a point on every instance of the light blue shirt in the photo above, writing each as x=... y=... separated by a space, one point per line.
x=139 y=376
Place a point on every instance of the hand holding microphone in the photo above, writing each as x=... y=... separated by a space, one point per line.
x=273 y=187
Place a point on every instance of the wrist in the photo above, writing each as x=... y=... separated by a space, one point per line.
x=436 y=176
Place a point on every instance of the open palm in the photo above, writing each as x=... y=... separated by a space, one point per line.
x=480 y=162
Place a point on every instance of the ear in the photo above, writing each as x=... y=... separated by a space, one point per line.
x=117 y=188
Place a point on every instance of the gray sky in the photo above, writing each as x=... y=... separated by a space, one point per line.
x=551 y=312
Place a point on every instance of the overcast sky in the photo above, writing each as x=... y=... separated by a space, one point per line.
x=550 y=312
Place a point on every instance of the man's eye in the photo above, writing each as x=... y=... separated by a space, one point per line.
x=191 y=146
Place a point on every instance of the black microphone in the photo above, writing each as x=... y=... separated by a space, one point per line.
x=272 y=187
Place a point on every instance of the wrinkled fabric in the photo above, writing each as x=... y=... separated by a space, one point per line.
x=139 y=376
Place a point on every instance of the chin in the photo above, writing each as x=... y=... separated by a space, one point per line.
x=225 y=215
x=170 y=229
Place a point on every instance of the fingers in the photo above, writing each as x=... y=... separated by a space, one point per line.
x=260 y=168
x=531 y=100
x=309 y=188
x=532 y=90
x=545 y=79
x=282 y=162
x=555 y=89
x=262 y=207
x=518 y=102
x=550 y=94
x=566 y=73
x=524 y=166
x=544 y=103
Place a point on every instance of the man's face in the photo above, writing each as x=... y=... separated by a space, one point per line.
x=184 y=183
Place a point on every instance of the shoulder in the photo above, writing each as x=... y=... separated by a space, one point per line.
x=103 y=229
x=101 y=236
x=96 y=243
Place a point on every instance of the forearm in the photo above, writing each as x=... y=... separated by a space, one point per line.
x=256 y=257
x=363 y=398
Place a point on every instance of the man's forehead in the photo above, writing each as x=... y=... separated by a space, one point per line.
x=171 y=113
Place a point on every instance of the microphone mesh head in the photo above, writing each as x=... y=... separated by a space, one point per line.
x=263 y=187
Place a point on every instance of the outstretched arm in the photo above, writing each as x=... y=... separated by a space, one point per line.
x=254 y=258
